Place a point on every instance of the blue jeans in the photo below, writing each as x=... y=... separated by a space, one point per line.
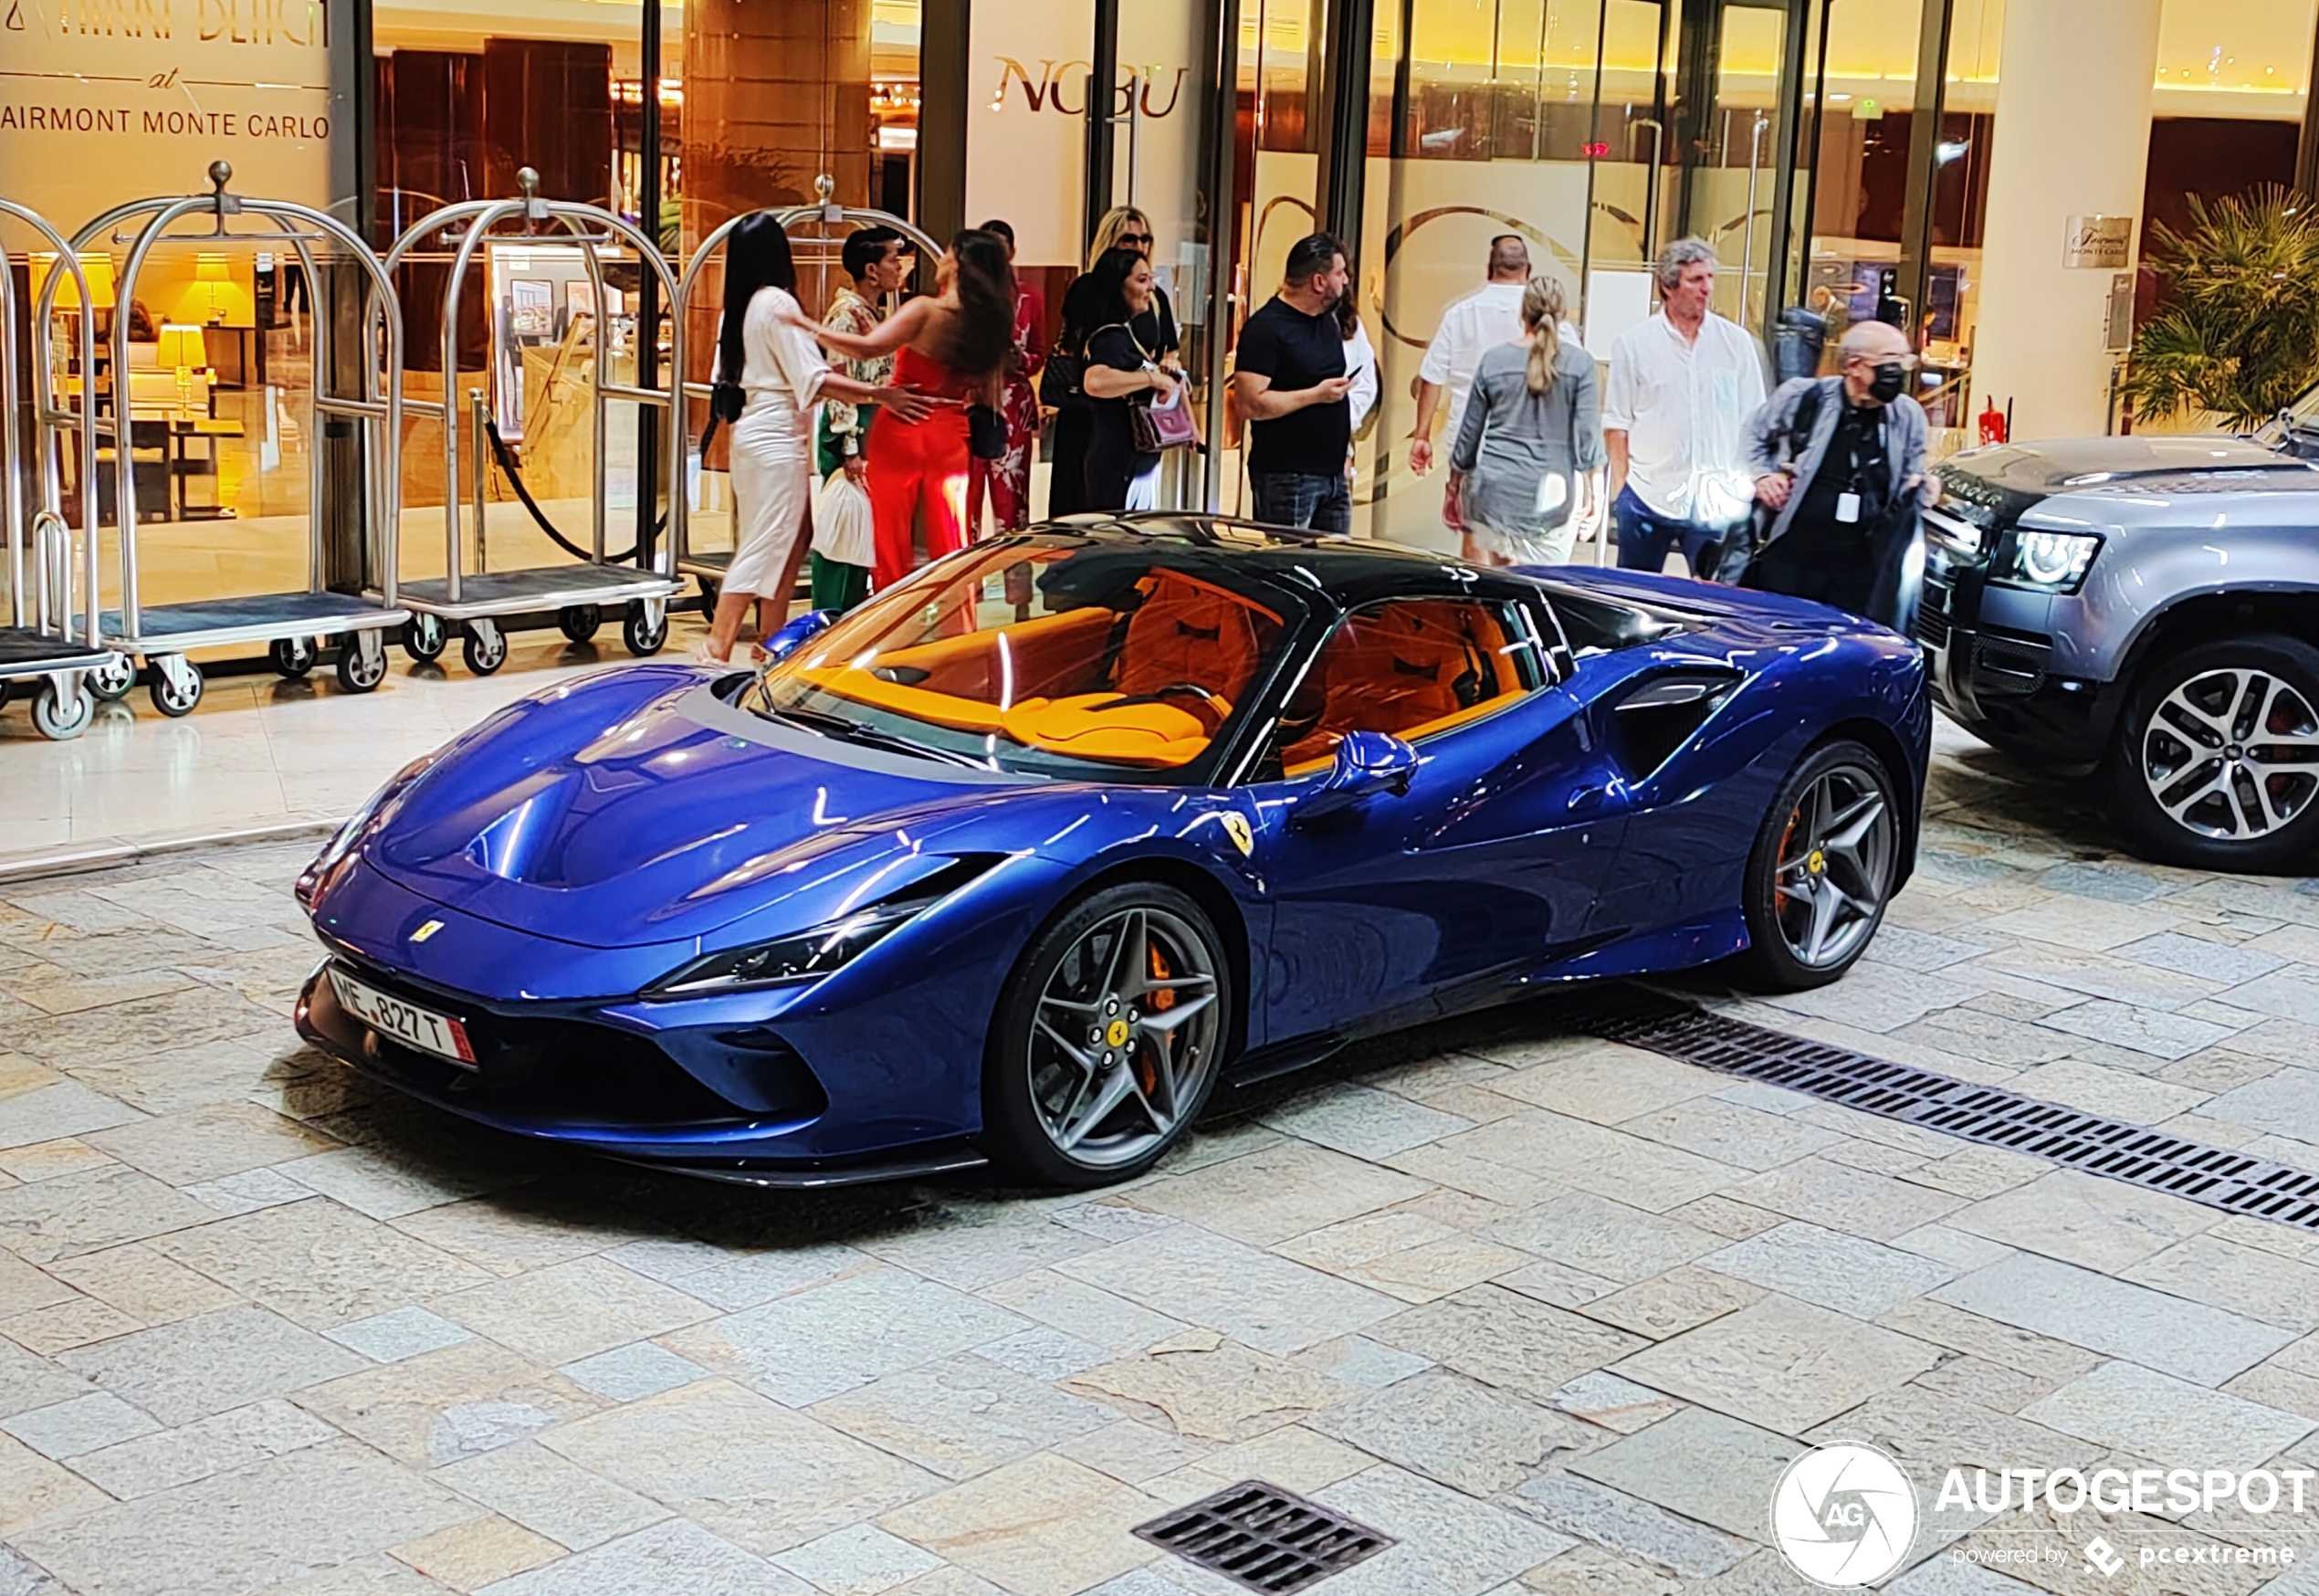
x=1646 y=536
x=1294 y=498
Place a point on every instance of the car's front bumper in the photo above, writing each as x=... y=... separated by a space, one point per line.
x=566 y=1076
x=1989 y=656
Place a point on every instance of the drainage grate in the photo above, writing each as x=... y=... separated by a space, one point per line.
x=2134 y=1153
x=1264 y=1538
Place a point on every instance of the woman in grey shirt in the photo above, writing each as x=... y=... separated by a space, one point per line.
x=1531 y=441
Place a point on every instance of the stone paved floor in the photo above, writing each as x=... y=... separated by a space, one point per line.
x=1553 y=1312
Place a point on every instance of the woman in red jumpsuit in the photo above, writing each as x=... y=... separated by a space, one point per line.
x=954 y=345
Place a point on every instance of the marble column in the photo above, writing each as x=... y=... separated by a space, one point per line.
x=2071 y=140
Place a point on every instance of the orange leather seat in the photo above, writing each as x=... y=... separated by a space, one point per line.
x=1408 y=668
x=1186 y=631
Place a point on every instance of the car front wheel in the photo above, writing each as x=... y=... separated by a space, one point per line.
x=2216 y=761
x=1822 y=869
x=1108 y=1038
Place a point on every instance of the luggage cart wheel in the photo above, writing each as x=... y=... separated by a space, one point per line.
x=176 y=685
x=293 y=657
x=111 y=680
x=580 y=620
x=484 y=646
x=709 y=597
x=646 y=628
x=59 y=717
x=361 y=661
x=422 y=638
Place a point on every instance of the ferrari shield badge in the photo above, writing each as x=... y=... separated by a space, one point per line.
x=1237 y=828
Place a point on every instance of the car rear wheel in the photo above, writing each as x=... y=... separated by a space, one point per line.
x=2216 y=762
x=1107 y=1039
x=1822 y=869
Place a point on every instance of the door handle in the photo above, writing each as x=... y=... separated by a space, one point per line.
x=1588 y=798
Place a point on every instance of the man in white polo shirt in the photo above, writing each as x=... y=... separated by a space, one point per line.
x=1682 y=387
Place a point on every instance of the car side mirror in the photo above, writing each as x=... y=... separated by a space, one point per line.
x=787 y=641
x=1368 y=764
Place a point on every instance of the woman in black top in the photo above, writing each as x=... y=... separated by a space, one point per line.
x=1120 y=372
x=1122 y=228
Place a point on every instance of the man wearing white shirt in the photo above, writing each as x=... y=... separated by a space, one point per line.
x=1489 y=316
x=1682 y=387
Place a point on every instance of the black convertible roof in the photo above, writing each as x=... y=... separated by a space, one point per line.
x=1348 y=569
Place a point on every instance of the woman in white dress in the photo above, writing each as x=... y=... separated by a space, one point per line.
x=782 y=378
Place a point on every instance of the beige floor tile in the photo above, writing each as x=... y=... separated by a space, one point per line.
x=66 y=1325
x=319 y=1264
x=570 y=1311
x=1280 y=1191
x=743 y=1465
x=1667 y=1305
x=467 y=1557
x=1781 y=1363
x=34 y=1491
x=44 y=1161
x=143 y=1285
x=439 y=1407
x=204 y=1143
x=1044 y=1526
x=2083 y=1219
x=1504 y=1338
x=1210 y=1390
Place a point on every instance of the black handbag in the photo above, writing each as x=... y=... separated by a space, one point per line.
x=985 y=433
x=1059 y=379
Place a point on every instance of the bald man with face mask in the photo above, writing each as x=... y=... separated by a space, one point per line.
x=1838 y=467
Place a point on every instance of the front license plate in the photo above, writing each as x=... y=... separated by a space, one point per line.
x=405 y=1023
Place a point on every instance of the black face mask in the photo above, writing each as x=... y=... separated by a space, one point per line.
x=1891 y=378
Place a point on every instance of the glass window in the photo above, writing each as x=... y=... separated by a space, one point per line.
x=1410 y=667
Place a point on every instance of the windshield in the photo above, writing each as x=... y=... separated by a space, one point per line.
x=1049 y=655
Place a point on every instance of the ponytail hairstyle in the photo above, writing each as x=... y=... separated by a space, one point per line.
x=978 y=338
x=1542 y=306
x=756 y=256
x=1347 y=312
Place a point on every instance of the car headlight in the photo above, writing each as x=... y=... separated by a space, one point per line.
x=343 y=840
x=2049 y=561
x=784 y=960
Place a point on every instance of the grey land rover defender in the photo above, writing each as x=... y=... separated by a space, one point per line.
x=2145 y=608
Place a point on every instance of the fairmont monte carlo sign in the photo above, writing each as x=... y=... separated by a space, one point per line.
x=107 y=101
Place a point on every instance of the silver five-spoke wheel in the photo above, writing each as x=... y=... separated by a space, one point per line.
x=1123 y=1037
x=2232 y=753
x=1835 y=867
x=1828 y=857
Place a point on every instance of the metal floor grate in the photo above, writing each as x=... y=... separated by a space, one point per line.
x=1265 y=1538
x=1990 y=1114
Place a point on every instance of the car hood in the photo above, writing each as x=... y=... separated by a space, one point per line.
x=638 y=806
x=2052 y=465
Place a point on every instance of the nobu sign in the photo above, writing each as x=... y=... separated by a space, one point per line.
x=1043 y=89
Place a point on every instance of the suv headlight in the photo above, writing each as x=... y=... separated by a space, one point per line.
x=805 y=956
x=2048 y=561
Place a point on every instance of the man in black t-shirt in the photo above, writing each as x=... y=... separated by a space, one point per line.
x=1289 y=381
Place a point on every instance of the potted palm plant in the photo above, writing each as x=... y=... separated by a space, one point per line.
x=2237 y=334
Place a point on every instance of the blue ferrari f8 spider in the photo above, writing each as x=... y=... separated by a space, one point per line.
x=1015 y=861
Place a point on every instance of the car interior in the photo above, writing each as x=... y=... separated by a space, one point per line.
x=1146 y=680
x=1411 y=667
